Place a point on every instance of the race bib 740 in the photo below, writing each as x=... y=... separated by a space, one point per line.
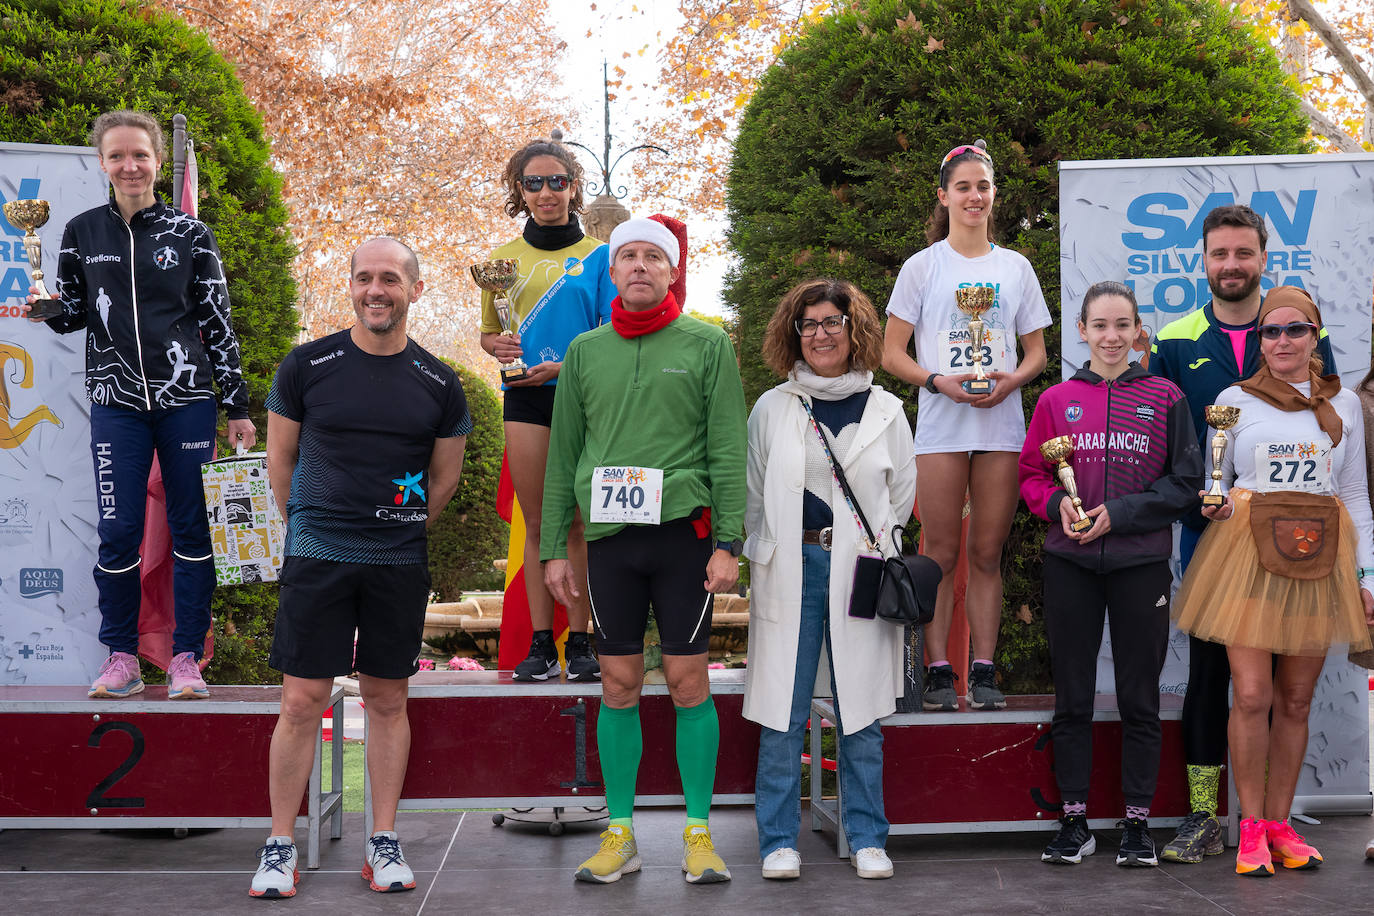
x=627 y=495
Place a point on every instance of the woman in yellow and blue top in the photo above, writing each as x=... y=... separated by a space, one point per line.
x=563 y=288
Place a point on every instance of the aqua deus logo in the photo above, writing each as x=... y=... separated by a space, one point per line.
x=37 y=582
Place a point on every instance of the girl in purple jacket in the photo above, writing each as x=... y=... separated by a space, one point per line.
x=1139 y=469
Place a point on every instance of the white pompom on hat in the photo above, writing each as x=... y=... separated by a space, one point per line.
x=645 y=230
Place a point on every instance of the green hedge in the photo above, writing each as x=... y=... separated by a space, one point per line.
x=469 y=534
x=835 y=167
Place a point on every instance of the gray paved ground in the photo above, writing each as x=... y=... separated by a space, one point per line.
x=466 y=865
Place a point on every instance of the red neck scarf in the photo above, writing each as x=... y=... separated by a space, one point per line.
x=630 y=324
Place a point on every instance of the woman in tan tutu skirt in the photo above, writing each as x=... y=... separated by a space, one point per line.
x=1281 y=576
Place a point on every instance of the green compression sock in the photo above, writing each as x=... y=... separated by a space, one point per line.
x=1203 y=783
x=698 y=738
x=620 y=743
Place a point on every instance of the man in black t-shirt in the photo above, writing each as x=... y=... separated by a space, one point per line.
x=365 y=438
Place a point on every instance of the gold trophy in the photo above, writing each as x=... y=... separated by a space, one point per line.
x=1221 y=419
x=30 y=215
x=1057 y=451
x=974 y=301
x=497 y=276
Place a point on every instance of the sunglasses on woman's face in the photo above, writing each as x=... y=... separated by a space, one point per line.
x=535 y=183
x=1296 y=330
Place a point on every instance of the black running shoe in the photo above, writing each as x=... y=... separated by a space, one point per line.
x=1137 y=846
x=939 y=689
x=542 y=662
x=582 y=664
x=1072 y=843
x=982 y=688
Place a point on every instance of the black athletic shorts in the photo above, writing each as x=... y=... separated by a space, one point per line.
x=663 y=565
x=323 y=604
x=529 y=405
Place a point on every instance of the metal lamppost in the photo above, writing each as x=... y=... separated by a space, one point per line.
x=605 y=212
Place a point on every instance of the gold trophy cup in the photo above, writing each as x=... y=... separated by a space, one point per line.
x=974 y=301
x=497 y=276
x=1058 y=451
x=1221 y=419
x=30 y=215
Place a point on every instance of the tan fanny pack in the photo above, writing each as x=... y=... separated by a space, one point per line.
x=1297 y=535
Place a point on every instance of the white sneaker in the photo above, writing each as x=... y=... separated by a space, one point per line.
x=1369 y=850
x=782 y=863
x=277 y=872
x=872 y=862
x=385 y=867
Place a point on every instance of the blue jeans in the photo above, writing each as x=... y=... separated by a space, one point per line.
x=777 y=787
x=122 y=446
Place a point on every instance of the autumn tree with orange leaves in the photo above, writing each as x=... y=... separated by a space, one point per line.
x=391 y=117
x=1329 y=49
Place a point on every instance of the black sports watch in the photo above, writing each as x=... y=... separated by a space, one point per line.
x=736 y=547
x=930 y=382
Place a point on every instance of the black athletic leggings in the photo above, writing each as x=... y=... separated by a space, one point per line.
x=1206 y=705
x=1076 y=601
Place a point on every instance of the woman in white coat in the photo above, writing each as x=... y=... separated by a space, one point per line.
x=803 y=541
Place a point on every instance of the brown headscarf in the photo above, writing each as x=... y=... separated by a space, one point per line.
x=1281 y=394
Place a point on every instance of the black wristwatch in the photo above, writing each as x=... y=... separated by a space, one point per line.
x=930 y=382
x=736 y=547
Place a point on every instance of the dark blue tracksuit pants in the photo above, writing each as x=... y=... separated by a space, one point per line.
x=122 y=445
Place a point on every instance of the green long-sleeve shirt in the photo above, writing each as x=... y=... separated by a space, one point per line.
x=671 y=399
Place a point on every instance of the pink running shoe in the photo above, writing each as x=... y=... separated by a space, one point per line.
x=183 y=679
x=1252 y=858
x=1289 y=846
x=118 y=677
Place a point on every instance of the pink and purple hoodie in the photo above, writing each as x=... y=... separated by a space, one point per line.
x=1135 y=451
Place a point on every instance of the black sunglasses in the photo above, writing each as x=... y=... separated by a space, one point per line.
x=1296 y=330
x=535 y=183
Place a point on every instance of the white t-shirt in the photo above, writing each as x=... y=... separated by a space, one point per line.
x=1262 y=424
x=924 y=296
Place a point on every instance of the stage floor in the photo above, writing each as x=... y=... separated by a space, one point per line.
x=464 y=864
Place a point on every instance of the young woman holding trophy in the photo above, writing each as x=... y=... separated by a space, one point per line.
x=560 y=287
x=146 y=283
x=1289 y=573
x=1126 y=449
x=970 y=424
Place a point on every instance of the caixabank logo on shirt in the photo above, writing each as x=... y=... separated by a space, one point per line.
x=35 y=582
x=408 y=503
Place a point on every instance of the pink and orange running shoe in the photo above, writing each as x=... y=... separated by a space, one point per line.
x=1289 y=847
x=1252 y=858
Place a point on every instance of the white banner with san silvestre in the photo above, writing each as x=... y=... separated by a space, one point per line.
x=48 y=615
x=1140 y=222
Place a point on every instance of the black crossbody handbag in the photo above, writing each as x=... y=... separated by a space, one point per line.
x=905 y=591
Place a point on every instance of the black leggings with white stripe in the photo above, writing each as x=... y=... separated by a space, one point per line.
x=663 y=565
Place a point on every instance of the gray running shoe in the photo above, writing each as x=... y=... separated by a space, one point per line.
x=1199 y=835
x=982 y=688
x=939 y=689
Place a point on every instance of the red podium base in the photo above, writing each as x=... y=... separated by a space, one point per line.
x=975 y=771
x=72 y=762
x=480 y=740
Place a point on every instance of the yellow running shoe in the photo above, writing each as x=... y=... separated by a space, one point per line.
x=617 y=856
x=700 y=864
